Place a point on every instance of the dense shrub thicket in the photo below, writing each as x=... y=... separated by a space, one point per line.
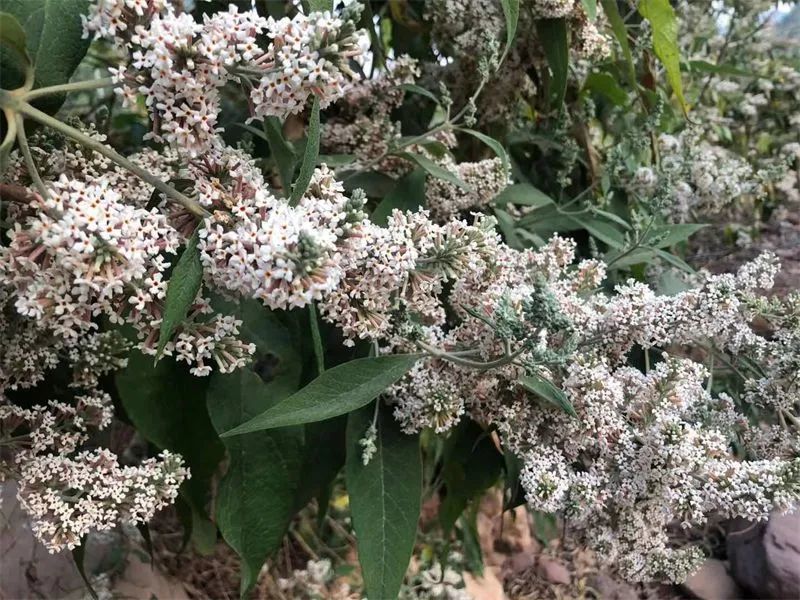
x=429 y=247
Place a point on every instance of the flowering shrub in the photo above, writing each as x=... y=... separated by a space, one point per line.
x=468 y=286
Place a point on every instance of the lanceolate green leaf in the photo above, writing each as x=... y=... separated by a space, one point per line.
x=256 y=497
x=664 y=24
x=511 y=13
x=496 y=146
x=523 y=194
x=605 y=84
x=282 y=151
x=408 y=194
x=433 y=169
x=385 y=498
x=416 y=89
x=545 y=390
x=665 y=236
x=553 y=35
x=12 y=35
x=337 y=391
x=621 y=33
x=55 y=43
x=309 y=156
x=603 y=231
x=182 y=290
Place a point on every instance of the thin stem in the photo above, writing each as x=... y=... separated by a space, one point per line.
x=634 y=247
x=8 y=141
x=114 y=156
x=65 y=88
x=473 y=364
x=22 y=139
x=319 y=351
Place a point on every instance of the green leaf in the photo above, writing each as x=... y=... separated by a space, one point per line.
x=495 y=146
x=79 y=558
x=545 y=527
x=546 y=390
x=309 y=156
x=13 y=36
x=187 y=276
x=621 y=33
x=323 y=458
x=336 y=160
x=433 y=169
x=407 y=194
x=523 y=194
x=337 y=391
x=471 y=465
x=707 y=67
x=675 y=261
x=376 y=185
x=55 y=44
x=320 y=5
x=385 y=499
x=602 y=230
x=256 y=497
x=554 y=38
x=281 y=150
x=612 y=217
x=164 y=403
x=664 y=24
x=665 y=236
x=507 y=226
x=511 y=14
x=605 y=84
x=590 y=6
x=416 y=89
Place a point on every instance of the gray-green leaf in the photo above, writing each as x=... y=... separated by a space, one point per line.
x=546 y=390
x=187 y=276
x=523 y=194
x=385 y=499
x=496 y=146
x=309 y=156
x=433 y=169
x=407 y=194
x=511 y=14
x=55 y=43
x=337 y=391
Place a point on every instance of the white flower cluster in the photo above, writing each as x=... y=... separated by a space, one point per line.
x=286 y=256
x=69 y=497
x=179 y=65
x=363 y=125
x=484 y=180
x=84 y=253
x=401 y=269
x=87 y=254
x=57 y=427
x=309 y=583
x=308 y=57
x=644 y=451
x=705 y=178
